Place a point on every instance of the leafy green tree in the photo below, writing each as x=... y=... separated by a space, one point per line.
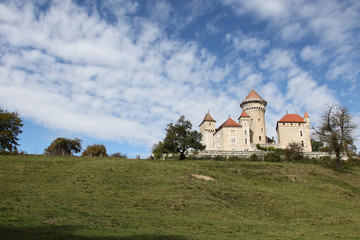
x=316 y=146
x=96 y=150
x=294 y=152
x=10 y=128
x=336 y=131
x=64 y=147
x=179 y=138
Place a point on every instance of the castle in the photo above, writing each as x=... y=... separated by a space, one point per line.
x=250 y=129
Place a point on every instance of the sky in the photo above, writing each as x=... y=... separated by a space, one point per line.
x=117 y=72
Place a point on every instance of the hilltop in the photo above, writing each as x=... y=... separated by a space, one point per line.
x=106 y=198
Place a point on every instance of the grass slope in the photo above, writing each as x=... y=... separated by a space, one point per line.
x=90 y=198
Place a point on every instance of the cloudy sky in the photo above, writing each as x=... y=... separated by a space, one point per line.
x=117 y=72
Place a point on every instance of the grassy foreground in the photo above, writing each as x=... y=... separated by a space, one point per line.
x=92 y=198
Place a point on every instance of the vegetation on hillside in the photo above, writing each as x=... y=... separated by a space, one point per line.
x=179 y=138
x=64 y=147
x=10 y=128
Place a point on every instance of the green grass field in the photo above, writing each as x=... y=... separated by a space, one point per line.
x=92 y=198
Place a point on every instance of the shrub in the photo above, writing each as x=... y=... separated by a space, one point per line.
x=118 y=155
x=254 y=158
x=293 y=152
x=272 y=157
x=96 y=150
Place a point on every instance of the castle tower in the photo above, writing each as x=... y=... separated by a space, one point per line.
x=255 y=107
x=207 y=129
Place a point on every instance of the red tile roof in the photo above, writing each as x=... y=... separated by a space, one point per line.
x=291 y=118
x=230 y=123
x=253 y=95
x=306 y=115
x=244 y=114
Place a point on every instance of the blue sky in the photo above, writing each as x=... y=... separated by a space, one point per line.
x=117 y=72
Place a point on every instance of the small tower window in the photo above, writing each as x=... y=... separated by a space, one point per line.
x=259 y=120
x=259 y=138
x=301 y=133
x=209 y=124
x=233 y=141
x=302 y=143
x=245 y=132
x=245 y=141
x=283 y=124
x=233 y=132
x=262 y=130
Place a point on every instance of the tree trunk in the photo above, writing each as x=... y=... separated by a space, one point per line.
x=182 y=156
x=338 y=160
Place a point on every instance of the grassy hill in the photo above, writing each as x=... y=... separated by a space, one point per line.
x=92 y=198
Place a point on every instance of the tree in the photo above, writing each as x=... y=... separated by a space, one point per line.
x=64 y=147
x=10 y=128
x=96 y=150
x=179 y=138
x=294 y=152
x=336 y=131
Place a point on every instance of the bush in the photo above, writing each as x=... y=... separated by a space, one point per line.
x=96 y=150
x=272 y=157
x=254 y=158
x=293 y=152
x=118 y=155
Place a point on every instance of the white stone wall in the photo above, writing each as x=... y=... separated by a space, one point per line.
x=294 y=132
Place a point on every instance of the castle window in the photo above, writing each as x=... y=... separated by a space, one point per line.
x=301 y=133
x=245 y=132
x=252 y=120
x=259 y=138
x=259 y=120
x=245 y=141
x=291 y=124
x=262 y=130
x=232 y=131
x=299 y=124
x=233 y=149
x=283 y=124
x=302 y=143
x=246 y=150
x=209 y=124
x=233 y=141
x=244 y=123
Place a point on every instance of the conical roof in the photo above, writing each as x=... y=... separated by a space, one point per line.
x=208 y=118
x=306 y=115
x=243 y=114
x=253 y=95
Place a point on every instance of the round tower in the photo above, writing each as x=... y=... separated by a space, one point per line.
x=255 y=107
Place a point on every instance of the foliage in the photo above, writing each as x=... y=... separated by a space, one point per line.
x=96 y=150
x=179 y=138
x=294 y=152
x=10 y=128
x=336 y=131
x=317 y=146
x=272 y=157
x=64 y=147
x=118 y=155
x=254 y=158
x=278 y=151
x=158 y=150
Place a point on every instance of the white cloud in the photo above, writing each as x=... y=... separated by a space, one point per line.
x=248 y=44
x=313 y=54
x=121 y=82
